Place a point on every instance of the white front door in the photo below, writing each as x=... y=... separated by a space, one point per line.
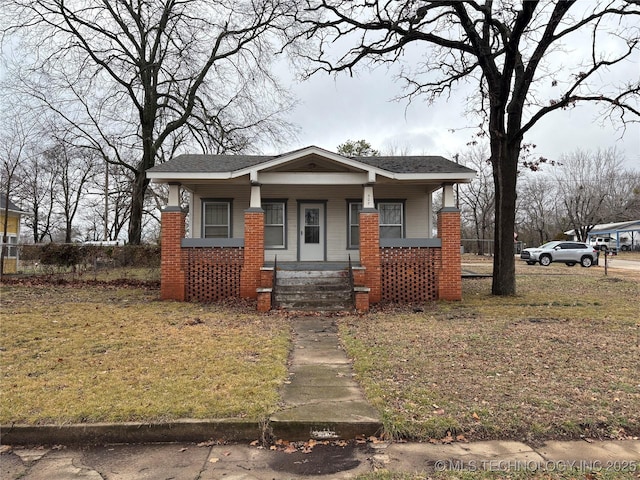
x=312 y=237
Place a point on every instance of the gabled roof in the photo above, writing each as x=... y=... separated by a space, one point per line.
x=232 y=166
x=12 y=207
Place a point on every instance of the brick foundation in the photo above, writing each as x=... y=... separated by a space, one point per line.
x=172 y=285
x=410 y=275
x=450 y=271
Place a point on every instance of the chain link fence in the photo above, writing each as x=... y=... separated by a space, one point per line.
x=483 y=246
x=93 y=262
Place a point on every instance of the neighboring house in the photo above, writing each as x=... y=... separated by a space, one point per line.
x=13 y=233
x=623 y=235
x=311 y=206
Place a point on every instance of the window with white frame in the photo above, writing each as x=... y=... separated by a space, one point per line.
x=11 y=249
x=354 y=224
x=391 y=218
x=275 y=221
x=216 y=219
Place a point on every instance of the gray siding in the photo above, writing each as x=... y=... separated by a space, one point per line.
x=417 y=212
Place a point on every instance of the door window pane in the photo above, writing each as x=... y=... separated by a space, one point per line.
x=312 y=216
x=311 y=234
x=312 y=225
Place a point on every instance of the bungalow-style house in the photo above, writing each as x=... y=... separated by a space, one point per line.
x=13 y=214
x=252 y=217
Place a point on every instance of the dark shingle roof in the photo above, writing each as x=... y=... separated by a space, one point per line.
x=12 y=206
x=192 y=163
x=210 y=163
x=414 y=164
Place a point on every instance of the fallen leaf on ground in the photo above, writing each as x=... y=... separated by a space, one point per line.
x=290 y=449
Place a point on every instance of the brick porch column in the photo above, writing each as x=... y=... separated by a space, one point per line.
x=370 y=252
x=253 y=252
x=450 y=271
x=172 y=278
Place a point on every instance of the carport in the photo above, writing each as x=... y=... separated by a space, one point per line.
x=619 y=230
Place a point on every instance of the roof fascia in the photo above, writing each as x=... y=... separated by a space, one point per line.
x=452 y=177
x=160 y=177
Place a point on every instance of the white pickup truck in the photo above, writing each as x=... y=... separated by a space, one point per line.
x=609 y=243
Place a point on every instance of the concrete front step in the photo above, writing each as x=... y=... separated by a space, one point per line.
x=325 y=290
x=316 y=307
x=311 y=273
x=326 y=283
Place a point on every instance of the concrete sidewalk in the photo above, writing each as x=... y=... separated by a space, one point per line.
x=244 y=462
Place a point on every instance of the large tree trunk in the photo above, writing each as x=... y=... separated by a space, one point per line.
x=140 y=184
x=505 y=169
x=140 y=181
x=67 y=234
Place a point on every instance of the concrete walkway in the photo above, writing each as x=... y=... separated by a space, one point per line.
x=321 y=400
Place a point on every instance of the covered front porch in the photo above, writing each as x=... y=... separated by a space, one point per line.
x=312 y=208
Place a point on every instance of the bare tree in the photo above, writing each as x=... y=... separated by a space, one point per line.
x=137 y=75
x=38 y=191
x=74 y=169
x=108 y=209
x=513 y=51
x=592 y=189
x=477 y=199
x=537 y=211
x=396 y=148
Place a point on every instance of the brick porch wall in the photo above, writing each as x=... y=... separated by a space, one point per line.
x=172 y=232
x=213 y=274
x=450 y=271
x=370 y=253
x=410 y=274
x=253 y=252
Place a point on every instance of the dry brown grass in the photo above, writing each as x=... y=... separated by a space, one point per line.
x=89 y=354
x=559 y=360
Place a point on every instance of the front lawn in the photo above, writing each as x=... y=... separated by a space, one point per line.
x=89 y=354
x=559 y=360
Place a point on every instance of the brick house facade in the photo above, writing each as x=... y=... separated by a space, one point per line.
x=245 y=213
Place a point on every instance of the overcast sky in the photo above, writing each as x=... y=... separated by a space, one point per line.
x=335 y=109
